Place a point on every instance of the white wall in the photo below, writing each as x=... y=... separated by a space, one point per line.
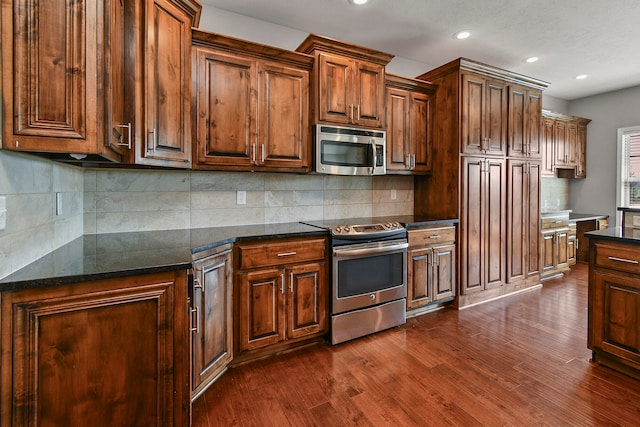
x=608 y=112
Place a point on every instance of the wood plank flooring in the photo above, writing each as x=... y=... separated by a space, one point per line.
x=519 y=361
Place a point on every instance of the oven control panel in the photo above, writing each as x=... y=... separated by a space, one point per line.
x=366 y=229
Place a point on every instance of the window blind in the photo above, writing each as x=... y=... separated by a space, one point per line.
x=631 y=168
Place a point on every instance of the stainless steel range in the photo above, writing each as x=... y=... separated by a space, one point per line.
x=369 y=275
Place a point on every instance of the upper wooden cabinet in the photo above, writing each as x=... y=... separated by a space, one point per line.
x=63 y=78
x=565 y=145
x=251 y=106
x=525 y=118
x=348 y=82
x=484 y=106
x=101 y=81
x=409 y=111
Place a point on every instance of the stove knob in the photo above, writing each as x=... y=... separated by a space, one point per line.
x=347 y=229
x=338 y=230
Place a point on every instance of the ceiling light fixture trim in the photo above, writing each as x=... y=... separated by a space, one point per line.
x=359 y=2
x=462 y=34
x=582 y=76
x=531 y=59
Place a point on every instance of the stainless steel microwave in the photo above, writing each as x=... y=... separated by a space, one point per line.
x=343 y=150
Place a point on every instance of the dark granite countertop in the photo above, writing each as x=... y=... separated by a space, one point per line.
x=102 y=256
x=585 y=217
x=111 y=255
x=616 y=233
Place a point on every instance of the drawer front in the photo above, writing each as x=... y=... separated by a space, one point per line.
x=280 y=253
x=554 y=222
x=431 y=236
x=618 y=257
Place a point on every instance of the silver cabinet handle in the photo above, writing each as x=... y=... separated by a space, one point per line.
x=358 y=117
x=154 y=140
x=291 y=282
x=628 y=261
x=282 y=283
x=128 y=144
x=435 y=236
x=195 y=329
x=287 y=253
x=262 y=153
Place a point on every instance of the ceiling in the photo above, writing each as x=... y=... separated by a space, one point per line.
x=571 y=37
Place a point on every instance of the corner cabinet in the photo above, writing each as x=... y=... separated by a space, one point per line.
x=431 y=270
x=211 y=318
x=348 y=82
x=282 y=295
x=409 y=111
x=110 y=351
x=99 y=82
x=251 y=106
x=614 y=303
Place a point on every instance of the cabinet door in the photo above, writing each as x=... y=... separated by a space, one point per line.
x=548 y=148
x=262 y=310
x=226 y=105
x=525 y=109
x=109 y=351
x=532 y=221
x=167 y=134
x=495 y=231
x=484 y=116
x=572 y=144
x=613 y=322
x=212 y=339
x=420 y=132
x=398 y=118
x=581 y=168
x=444 y=272
x=472 y=227
x=335 y=103
x=561 y=249
x=283 y=126
x=518 y=217
x=548 y=251
x=368 y=94
x=534 y=119
x=571 y=250
x=419 y=278
x=560 y=143
x=308 y=300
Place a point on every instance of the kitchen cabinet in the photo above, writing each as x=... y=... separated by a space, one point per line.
x=251 y=104
x=409 y=107
x=523 y=223
x=99 y=84
x=163 y=82
x=484 y=107
x=483 y=226
x=572 y=244
x=282 y=294
x=614 y=301
x=525 y=115
x=348 y=82
x=431 y=270
x=212 y=318
x=63 y=79
x=555 y=244
x=110 y=351
x=484 y=142
x=565 y=142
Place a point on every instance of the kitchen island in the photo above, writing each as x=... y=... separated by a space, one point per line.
x=614 y=299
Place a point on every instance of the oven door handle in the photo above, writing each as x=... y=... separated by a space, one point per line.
x=352 y=253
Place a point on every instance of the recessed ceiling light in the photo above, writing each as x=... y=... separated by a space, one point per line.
x=531 y=59
x=581 y=77
x=461 y=35
x=359 y=2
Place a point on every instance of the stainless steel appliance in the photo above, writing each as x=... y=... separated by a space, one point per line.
x=369 y=275
x=342 y=150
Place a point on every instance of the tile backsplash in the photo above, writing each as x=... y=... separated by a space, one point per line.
x=133 y=200
x=554 y=194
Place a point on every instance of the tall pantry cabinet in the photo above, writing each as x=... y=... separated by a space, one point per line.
x=486 y=141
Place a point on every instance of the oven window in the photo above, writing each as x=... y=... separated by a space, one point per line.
x=346 y=154
x=370 y=274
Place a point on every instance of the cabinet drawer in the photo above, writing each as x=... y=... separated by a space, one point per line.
x=618 y=257
x=554 y=222
x=279 y=253
x=431 y=236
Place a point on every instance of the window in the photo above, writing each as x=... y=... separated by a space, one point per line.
x=629 y=167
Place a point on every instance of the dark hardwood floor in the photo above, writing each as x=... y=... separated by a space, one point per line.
x=518 y=361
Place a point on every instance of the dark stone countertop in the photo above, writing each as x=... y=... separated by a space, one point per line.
x=629 y=235
x=112 y=255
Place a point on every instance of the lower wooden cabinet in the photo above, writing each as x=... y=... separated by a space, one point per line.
x=614 y=304
x=211 y=318
x=431 y=270
x=104 y=353
x=282 y=293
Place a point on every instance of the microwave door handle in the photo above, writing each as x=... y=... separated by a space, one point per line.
x=373 y=155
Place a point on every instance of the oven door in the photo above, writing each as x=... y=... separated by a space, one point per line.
x=368 y=274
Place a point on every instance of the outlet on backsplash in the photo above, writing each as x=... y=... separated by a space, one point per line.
x=393 y=195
